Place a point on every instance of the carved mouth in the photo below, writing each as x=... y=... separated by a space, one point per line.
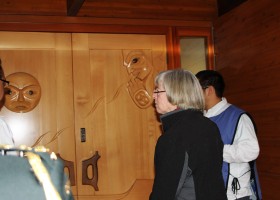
x=21 y=107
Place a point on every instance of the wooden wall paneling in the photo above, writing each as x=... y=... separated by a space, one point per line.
x=122 y=133
x=127 y=9
x=97 y=25
x=33 y=7
x=247 y=54
x=178 y=9
x=47 y=57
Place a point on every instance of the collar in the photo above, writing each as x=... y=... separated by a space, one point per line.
x=171 y=112
x=171 y=118
x=217 y=109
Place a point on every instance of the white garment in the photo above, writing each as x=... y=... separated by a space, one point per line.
x=244 y=149
x=6 y=136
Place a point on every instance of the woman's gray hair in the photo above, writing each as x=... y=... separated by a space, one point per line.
x=182 y=88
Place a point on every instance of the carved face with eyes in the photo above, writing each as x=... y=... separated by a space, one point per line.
x=23 y=93
x=138 y=65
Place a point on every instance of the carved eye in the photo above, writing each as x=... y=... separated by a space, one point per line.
x=30 y=92
x=135 y=60
x=8 y=91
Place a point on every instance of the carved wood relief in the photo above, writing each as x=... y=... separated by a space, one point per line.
x=139 y=69
x=23 y=92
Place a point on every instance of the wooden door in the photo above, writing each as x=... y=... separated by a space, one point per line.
x=113 y=84
x=48 y=58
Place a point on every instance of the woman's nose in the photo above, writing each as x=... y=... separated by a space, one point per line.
x=154 y=95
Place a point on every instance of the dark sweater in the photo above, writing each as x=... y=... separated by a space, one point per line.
x=188 y=134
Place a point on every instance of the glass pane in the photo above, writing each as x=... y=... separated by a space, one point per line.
x=193 y=53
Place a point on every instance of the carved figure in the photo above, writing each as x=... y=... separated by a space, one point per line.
x=23 y=93
x=138 y=68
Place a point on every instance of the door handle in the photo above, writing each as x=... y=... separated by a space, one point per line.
x=93 y=163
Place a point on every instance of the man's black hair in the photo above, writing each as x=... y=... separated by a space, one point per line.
x=212 y=78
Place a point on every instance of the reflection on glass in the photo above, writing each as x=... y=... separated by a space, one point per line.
x=193 y=53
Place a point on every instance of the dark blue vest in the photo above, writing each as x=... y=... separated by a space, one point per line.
x=227 y=122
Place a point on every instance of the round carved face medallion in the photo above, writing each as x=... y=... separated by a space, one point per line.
x=23 y=93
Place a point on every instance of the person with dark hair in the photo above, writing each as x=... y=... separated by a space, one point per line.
x=6 y=136
x=241 y=147
x=189 y=154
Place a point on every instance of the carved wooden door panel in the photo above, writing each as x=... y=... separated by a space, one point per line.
x=48 y=58
x=114 y=114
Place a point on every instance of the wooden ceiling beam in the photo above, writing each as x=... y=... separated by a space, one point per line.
x=73 y=7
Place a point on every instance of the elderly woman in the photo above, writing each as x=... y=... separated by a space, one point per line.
x=189 y=154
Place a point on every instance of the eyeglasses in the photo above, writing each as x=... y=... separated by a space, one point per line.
x=158 y=91
x=5 y=82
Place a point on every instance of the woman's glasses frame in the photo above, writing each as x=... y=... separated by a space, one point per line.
x=5 y=82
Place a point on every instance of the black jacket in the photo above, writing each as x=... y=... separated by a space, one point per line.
x=192 y=140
